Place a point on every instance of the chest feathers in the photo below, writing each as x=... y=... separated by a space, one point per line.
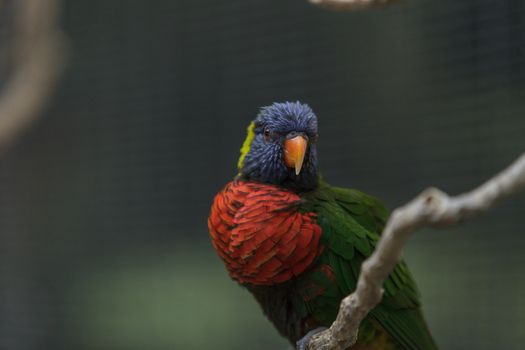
x=261 y=235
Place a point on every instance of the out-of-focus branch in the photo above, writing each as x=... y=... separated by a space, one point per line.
x=432 y=208
x=38 y=48
x=342 y=5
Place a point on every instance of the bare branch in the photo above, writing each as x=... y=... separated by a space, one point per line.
x=342 y=5
x=38 y=57
x=432 y=208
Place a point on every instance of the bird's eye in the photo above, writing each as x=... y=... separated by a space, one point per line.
x=267 y=134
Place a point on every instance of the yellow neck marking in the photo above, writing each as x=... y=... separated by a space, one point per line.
x=246 y=145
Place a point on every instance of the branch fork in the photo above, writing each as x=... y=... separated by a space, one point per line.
x=342 y=5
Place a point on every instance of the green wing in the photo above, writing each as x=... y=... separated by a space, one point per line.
x=351 y=223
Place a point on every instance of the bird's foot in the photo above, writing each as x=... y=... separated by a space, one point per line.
x=302 y=344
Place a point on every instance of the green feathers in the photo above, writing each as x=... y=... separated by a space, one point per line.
x=351 y=222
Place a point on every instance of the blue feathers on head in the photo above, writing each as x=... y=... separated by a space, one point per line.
x=264 y=161
x=288 y=116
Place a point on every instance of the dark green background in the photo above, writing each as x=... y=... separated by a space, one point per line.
x=103 y=203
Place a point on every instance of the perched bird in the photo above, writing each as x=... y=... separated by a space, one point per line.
x=297 y=243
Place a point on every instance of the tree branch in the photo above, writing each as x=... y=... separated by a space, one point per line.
x=38 y=58
x=432 y=208
x=349 y=4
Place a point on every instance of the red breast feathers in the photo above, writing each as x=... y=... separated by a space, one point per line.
x=260 y=234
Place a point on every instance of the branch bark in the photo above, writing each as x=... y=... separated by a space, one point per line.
x=341 y=5
x=432 y=208
x=38 y=58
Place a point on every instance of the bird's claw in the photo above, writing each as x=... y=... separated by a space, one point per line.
x=302 y=344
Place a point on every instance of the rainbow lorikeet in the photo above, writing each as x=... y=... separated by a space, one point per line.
x=297 y=243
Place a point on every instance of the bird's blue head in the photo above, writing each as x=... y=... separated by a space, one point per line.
x=281 y=147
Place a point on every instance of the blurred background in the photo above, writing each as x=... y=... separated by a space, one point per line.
x=104 y=197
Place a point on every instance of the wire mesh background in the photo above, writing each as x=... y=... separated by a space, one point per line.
x=103 y=203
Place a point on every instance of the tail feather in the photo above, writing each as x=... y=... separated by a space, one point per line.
x=407 y=327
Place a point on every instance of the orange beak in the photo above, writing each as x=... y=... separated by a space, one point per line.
x=294 y=150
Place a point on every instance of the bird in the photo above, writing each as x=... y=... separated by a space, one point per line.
x=297 y=243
